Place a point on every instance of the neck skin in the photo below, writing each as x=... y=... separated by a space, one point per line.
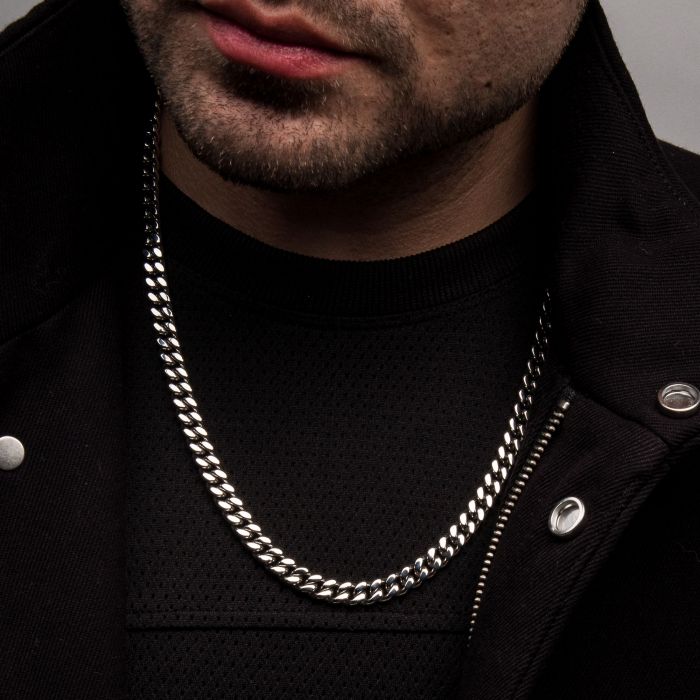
x=403 y=210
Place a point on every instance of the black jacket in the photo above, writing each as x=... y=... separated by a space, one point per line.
x=613 y=612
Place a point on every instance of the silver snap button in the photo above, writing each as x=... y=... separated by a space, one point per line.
x=11 y=453
x=679 y=399
x=566 y=517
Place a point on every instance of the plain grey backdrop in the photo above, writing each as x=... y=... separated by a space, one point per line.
x=660 y=42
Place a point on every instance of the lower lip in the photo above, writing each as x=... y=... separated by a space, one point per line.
x=287 y=60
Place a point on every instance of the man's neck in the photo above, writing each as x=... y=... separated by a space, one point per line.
x=403 y=210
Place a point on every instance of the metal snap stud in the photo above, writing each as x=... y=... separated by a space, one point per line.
x=11 y=453
x=566 y=517
x=679 y=399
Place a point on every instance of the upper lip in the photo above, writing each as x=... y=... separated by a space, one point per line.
x=288 y=28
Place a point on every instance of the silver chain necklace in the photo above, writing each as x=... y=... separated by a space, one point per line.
x=222 y=490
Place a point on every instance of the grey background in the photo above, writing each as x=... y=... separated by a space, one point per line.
x=660 y=42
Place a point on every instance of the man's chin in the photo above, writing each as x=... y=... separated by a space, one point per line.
x=250 y=145
x=273 y=172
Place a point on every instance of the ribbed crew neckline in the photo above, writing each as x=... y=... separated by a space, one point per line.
x=240 y=265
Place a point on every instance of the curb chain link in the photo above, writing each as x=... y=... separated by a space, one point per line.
x=222 y=490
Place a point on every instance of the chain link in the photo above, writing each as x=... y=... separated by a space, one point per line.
x=222 y=490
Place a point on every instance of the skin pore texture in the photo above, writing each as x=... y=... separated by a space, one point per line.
x=425 y=136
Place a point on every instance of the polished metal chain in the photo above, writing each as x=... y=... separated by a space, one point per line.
x=224 y=493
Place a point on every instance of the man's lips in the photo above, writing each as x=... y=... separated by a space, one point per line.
x=285 y=45
x=286 y=28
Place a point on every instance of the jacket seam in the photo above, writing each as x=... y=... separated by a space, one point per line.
x=630 y=419
x=664 y=148
x=52 y=313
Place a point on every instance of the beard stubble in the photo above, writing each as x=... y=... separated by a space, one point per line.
x=307 y=136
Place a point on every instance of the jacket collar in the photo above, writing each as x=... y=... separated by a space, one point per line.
x=626 y=291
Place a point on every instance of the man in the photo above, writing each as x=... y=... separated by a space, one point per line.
x=363 y=222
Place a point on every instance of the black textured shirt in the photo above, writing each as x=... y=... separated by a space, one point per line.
x=356 y=407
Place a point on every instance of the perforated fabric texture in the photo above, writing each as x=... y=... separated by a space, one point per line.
x=356 y=407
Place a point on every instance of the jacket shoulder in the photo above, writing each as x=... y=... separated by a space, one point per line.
x=38 y=18
x=686 y=164
x=76 y=93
